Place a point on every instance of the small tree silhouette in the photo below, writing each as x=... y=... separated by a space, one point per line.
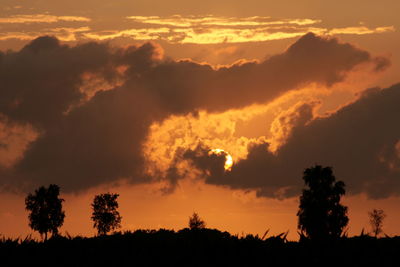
x=195 y=222
x=320 y=215
x=45 y=207
x=376 y=218
x=105 y=215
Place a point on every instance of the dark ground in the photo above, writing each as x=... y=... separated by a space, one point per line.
x=203 y=247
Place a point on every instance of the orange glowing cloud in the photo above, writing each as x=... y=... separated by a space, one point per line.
x=41 y=18
x=14 y=140
x=217 y=36
x=221 y=133
x=66 y=34
x=143 y=34
x=230 y=131
x=178 y=29
x=361 y=30
x=197 y=21
x=216 y=131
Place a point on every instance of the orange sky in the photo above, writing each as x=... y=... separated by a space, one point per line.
x=216 y=35
x=143 y=207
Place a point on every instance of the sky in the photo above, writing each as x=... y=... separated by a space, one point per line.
x=215 y=108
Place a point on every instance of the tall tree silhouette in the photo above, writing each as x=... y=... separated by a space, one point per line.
x=376 y=218
x=45 y=207
x=195 y=222
x=320 y=215
x=105 y=214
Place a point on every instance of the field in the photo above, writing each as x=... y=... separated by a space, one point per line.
x=200 y=247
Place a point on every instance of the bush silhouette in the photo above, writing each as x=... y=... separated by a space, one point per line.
x=105 y=215
x=195 y=222
x=376 y=218
x=320 y=215
x=45 y=207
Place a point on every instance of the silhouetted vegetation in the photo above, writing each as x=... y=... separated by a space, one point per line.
x=376 y=218
x=45 y=210
x=321 y=217
x=195 y=222
x=204 y=247
x=105 y=215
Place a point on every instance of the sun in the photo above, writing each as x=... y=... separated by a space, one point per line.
x=228 y=158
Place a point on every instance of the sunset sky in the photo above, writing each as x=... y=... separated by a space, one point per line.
x=214 y=107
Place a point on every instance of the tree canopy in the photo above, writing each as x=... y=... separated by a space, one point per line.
x=105 y=214
x=320 y=215
x=195 y=222
x=376 y=217
x=45 y=207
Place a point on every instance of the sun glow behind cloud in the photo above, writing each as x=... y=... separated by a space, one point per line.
x=227 y=133
x=168 y=137
x=228 y=158
x=220 y=132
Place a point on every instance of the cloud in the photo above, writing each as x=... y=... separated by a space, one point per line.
x=281 y=128
x=41 y=18
x=89 y=138
x=361 y=30
x=14 y=139
x=137 y=34
x=179 y=29
x=360 y=141
x=198 y=21
x=217 y=30
x=310 y=59
x=42 y=80
x=66 y=34
x=217 y=36
x=97 y=141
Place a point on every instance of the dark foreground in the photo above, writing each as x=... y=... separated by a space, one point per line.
x=204 y=247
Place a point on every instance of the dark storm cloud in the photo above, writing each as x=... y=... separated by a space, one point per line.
x=95 y=142
x=361 y=141
x=84 y=143
x=42 y=80
x=311 y=59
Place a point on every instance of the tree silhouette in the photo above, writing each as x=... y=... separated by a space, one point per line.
x=105 y=214
x=45 y=207
x=376 y=218
x=320 y=215
x=195 y=222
